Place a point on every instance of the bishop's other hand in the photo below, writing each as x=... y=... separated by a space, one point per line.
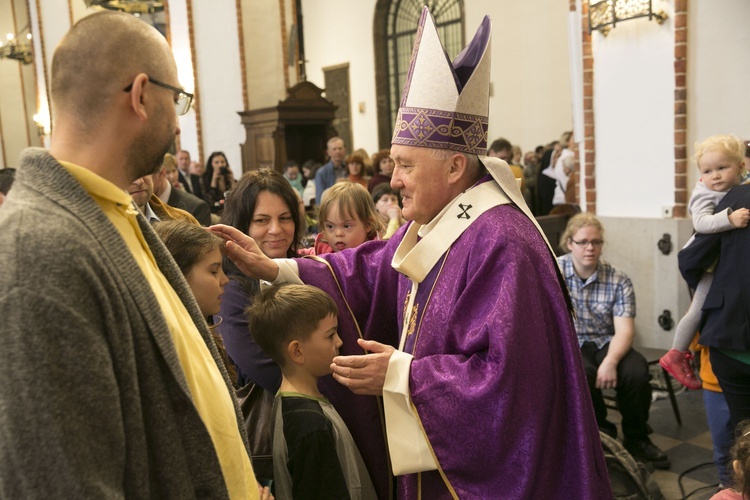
x=364 y=374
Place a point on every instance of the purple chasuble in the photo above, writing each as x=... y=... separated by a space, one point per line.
x=497 y=378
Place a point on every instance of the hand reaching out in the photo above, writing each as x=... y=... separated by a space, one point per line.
x=364 y=374
x=245 y=253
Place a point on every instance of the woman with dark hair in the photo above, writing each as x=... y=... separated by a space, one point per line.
x=218 y=180
x=383 y=165
x=264 y=206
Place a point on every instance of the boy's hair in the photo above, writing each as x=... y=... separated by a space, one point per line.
x=352 y=199
x=186 y=242
x=741 y=452
x=577 y=222
x=728 y=144
x=284 y=313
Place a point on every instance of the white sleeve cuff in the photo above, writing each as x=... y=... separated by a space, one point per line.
x=407 y=443
x=288 y=272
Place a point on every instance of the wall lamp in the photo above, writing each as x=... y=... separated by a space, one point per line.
x=605 y=14
x=17 y=47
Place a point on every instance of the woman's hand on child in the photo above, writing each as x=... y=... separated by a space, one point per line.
x=740 y=217
x=364 y=374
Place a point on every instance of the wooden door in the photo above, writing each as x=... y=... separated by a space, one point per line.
x=337 y=91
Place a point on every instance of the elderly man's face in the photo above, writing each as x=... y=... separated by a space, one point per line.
x=336 y=151
x=422 y=180
x=141 y=190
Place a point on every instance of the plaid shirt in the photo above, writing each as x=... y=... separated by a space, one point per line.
x=605 y=294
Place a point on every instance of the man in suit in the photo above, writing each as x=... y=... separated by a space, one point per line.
x=181 y=199
x=726 y=310
x=191 y=182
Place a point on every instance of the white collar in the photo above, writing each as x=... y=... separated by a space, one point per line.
x=149 y=214
x=415 y=257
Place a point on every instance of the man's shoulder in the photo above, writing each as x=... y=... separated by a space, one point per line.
x=188 y=199
x=46 y=243
x=611 y=272
x=327 y=167
x=565 y=261
x=737 y=196
x=507 y=225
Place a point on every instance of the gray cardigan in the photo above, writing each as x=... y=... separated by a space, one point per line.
x=93 y=400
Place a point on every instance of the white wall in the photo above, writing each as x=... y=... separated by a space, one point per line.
x=531 y=102
x=634 y=118
x=180 y=40
x=718 y=72
x=351 y=41
x=632 y=246
x=219 y=79
x=263 y=52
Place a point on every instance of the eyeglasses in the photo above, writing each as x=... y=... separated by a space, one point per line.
x=585 y=243
x=182 y=100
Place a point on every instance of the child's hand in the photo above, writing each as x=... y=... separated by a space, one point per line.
x=265 y=493
x=394 y=212
x=740 y=217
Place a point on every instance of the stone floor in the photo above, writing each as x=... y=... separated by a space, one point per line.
x=688 y=446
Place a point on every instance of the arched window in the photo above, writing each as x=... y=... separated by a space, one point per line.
x=395 y=27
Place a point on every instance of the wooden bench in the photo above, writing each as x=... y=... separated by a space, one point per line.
x=553 y=226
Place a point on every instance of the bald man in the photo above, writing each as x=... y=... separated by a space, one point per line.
x=112 y=386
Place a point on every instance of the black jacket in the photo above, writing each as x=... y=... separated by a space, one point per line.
x=726 y=312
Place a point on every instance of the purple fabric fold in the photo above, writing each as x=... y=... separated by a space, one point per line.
x=467 y=60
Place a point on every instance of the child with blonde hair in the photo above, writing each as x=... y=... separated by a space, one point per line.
x=346 y=219
x=741 y=465
x=721 y=161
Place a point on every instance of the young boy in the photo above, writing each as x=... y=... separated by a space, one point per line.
x=314 y=453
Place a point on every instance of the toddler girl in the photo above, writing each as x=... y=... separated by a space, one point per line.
x=721 y=163
x=740 y=464
x=347 y=218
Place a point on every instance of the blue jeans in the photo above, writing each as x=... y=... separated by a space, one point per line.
x=722 y=432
